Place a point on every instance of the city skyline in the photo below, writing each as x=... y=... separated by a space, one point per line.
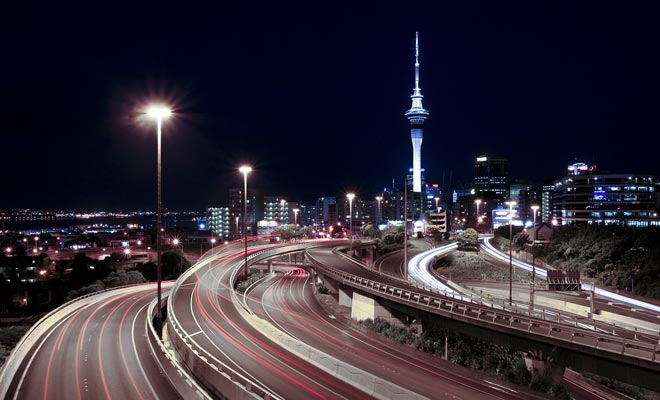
x=314 y=101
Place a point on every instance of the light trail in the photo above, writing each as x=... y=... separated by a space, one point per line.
x=486 y=246
x=419 y=268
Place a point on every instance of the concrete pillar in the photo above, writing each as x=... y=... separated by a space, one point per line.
x=345 y=296
x=270 y=266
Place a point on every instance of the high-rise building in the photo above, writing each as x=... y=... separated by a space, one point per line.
x=547 y=202
x=276 y=209
x=586 y=196
x=417 y=115
x=307 y=216
x=491 y=177
x=525 y=195
x=218 y=221
x=326 y=211
x=254 y=212
x=433 y=192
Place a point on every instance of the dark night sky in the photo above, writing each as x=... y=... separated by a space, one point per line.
x=313 y=96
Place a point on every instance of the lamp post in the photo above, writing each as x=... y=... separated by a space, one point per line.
x=436 y=203
x=378 y=216
x=476 y=224
x=238 y=232
x=510 y=204
x=245 y=170
x=531 y=295
x=350 y=197
x=159 y=113
x=212 y=246
x=175 y=243
x=295 y=216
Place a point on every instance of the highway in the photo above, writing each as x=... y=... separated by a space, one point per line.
x=97 y=350
x=287 y=300
x=203 y=308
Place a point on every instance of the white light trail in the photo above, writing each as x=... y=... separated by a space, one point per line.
x=486 y=246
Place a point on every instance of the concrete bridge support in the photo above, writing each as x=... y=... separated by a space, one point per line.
x=366 y=306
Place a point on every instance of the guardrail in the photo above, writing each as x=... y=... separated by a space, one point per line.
x=362 y=380
x=10 y=367
x=487 y=315
x=170 y=366
x=219 y=378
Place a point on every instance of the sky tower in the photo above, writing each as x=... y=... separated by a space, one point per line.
x=416 y=115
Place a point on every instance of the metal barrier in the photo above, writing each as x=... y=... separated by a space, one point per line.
x=452 y=308
x=37 y=330
x=174 y=372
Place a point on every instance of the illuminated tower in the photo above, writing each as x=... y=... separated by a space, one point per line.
x=416 y=115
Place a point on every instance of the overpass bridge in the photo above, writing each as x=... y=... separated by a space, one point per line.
x=373 y=295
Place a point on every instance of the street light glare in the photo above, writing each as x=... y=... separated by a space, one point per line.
x=350 y=196
x=245 y=169
x=158 y=111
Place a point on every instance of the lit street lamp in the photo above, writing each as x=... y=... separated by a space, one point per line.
x=159 y=113
x=436 y=203
x=478 y=219
x=510 y=204
x=295 y=216
x=350 y=197
x=379 y=215
x=531 y=297
x=245 y=170
x=176 y=242
x=212 y=246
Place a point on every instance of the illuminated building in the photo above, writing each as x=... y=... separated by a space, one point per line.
x=276 y=209
x=525 y=195
x=218 y=221
x=433 y=191
x=417 y=115
x=254 y=212
x=586 y=196
x=326 y=211
x=491 y=177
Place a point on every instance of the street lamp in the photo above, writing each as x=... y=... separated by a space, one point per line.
x=176 y=242
x=350 y=197
x=378 y=216
x=295 y=216
x=436 y=203
x=510 y=204
x=476 y=224
x=535 y=209
x=212 y=246
x=159 y=112
x=245 y=170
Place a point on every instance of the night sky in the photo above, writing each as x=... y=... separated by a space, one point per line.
x=313 y=96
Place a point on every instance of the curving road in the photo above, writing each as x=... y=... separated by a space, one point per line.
x=203 y=308
x=98 y=351
x=287 y=300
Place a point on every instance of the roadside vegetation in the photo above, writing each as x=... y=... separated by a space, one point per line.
x=474 y=353
x=252 y=278
x=617 y=256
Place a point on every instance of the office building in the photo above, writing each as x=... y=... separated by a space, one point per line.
x=586 y=196
x=218 y=221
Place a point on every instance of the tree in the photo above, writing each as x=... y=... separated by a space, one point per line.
x=469 y=240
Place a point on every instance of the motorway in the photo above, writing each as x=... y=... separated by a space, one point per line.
x=97 y=347
x=203 y=307
x=98 y=350
x=287 y=300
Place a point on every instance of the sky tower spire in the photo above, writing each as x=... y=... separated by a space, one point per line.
x=417 y=115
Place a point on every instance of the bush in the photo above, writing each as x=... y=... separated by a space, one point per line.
x=252 y=278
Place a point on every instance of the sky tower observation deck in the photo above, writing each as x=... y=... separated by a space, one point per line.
x=416 y=115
